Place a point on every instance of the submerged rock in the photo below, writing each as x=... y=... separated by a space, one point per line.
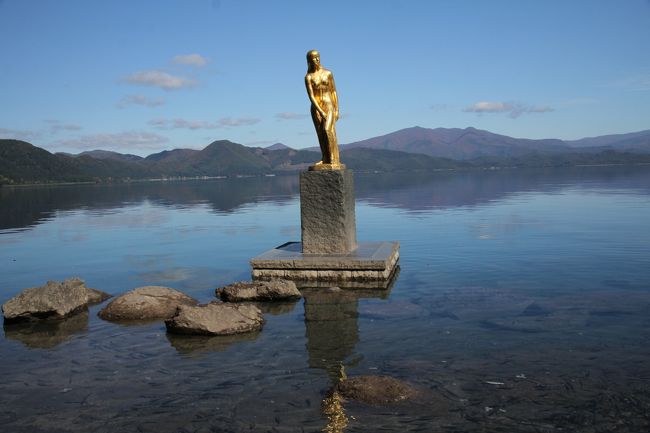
x=146 y=303
x=375 y=390
x=54 y=300
x=274 y=290
x=216 y=319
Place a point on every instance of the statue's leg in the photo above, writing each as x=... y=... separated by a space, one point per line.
x=332 y=144
x=322 y=140
x=334 y=147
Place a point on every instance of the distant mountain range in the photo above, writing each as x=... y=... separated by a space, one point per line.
x=408 y=149
x=471 y=143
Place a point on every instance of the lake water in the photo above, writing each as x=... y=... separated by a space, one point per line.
x=522 y=305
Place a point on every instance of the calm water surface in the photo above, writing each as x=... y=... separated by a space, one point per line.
x=522 y=305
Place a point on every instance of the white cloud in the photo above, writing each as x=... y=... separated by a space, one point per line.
x=202 y=124
x=145 y=101
x=159 y=79
x=513 y=109
x=18 y=134
x=287 y=115
x=132 y=140
x=190 y=59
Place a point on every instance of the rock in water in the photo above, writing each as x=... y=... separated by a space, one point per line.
x=274 y=290
x=54 y=300
x=146 y=303
x=96 y=296
x=216 y=319
x=375 y=389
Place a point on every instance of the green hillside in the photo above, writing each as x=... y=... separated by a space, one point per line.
x=21 y=162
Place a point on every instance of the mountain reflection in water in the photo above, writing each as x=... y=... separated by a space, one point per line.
x=25 y=207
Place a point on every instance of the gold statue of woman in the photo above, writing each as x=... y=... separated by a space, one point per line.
x=324 y=111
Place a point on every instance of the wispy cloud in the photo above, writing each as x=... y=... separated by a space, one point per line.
x=131 y=140
x=202 y=124
x=638 y=82
x=54 y=127
x=145 y=101
x=182 y=124
x=260 y=142
x=238 y=121
x=288 y=115
x=163 y=80
x=18 y=134
x=512 y=109
x=57 y=126
x=190 y=59
x=577 y=101
x=439 y=107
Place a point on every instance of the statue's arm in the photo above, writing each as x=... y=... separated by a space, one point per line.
x=312 y=98
x=335 y=97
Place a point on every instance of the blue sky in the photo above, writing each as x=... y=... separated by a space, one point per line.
x=145 y=76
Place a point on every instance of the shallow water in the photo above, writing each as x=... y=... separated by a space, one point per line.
x=521 y=305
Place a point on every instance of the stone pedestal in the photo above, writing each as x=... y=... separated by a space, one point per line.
x=327 y=212
x=329 y=254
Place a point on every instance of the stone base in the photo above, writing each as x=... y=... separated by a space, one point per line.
x=327 y=212
x=370 y=265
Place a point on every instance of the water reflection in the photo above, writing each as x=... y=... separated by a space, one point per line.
x=276 y=308
x=428 y=190
x=417 y=191
x=26 y=206
x=46 y=334
x=331 y=325
x=331 y=328
x=196 y=345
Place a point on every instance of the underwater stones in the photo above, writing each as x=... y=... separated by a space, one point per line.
x=273 y=290
x=215 y=318
x=375 y=390
x=146 y=303
x=54 y=300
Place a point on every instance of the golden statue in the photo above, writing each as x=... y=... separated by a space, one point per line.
x=324 y=111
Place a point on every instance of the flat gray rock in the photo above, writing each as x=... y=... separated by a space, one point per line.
x=247 y=291
x=54 y=300
x=146 y=303
x=375 y=390
x=216 y=319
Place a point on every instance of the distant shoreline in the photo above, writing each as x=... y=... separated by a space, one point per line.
x=288 y=173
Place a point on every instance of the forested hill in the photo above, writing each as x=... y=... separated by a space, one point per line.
x=22 y=162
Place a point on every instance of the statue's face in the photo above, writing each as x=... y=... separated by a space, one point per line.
x=314 y=59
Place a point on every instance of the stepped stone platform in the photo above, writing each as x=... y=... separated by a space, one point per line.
x=370 y=265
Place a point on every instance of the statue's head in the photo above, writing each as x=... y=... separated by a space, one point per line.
x=313 y=59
